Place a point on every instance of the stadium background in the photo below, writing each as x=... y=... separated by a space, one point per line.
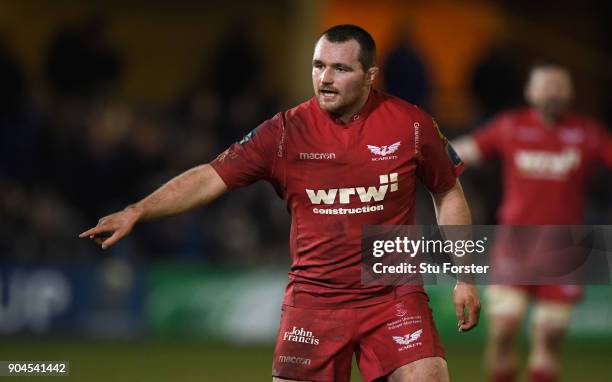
x=100 y=102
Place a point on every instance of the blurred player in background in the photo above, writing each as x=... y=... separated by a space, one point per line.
x=547 y=156
x=320 y=160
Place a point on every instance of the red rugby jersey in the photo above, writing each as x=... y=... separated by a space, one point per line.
x=336 y=177
x=545 y=170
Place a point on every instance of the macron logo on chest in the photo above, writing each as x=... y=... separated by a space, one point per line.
x=366 y=194
x=317 y=156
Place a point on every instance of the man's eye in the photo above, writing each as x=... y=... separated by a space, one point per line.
x=341 y=69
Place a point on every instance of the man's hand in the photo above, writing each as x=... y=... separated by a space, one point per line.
x=194 y=187
x=467 y=306
x=112 y=228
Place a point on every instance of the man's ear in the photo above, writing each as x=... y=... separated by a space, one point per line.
x=371 y=75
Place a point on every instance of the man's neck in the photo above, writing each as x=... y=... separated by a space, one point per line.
x=550 y=120
x=346 y=117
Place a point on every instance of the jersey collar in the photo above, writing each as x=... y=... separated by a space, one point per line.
x=535 y=116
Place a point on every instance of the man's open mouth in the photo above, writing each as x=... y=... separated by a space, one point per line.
x=328 y=92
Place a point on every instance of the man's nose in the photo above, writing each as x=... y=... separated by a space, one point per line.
x=327 y=76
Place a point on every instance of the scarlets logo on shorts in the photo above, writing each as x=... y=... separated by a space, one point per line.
x=409 y=341
x=408 y=338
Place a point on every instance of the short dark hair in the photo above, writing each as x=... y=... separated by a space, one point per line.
x=546 y=63
x=347 y=32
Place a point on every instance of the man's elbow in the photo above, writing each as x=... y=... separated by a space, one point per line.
x=452 y=207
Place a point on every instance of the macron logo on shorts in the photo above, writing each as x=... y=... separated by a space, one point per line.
x=301 y=336
x=294 y=360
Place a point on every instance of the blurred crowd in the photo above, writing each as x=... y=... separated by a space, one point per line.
x=82 y=152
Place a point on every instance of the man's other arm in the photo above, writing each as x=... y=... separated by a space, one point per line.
x=467 y=149
x=452 y=209
x=193 y=188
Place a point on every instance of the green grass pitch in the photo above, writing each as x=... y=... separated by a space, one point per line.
x=200 y=361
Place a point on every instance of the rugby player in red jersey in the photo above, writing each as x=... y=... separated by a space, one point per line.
x=349 y=156
x=547 y=156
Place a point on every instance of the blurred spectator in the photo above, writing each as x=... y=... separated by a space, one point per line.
x=496 y=82
x=224 y=106
x=496 y=85
x=235 y=81
x=80 y=62
x=13 y=92
x=237 y=66
x=20 y=137
x=405 y=73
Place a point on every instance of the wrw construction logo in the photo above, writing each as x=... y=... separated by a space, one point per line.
x=365 y=194
x=301 y=336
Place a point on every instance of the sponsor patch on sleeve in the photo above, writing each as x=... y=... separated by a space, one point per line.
x=453 y=154
x=248 y=137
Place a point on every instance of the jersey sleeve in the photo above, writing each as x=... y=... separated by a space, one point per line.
x=439 y=164
x=489 y=138
x=253 y=158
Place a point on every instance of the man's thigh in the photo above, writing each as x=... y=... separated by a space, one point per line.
x=433 y=369
x=314 y=345
x=396 y=334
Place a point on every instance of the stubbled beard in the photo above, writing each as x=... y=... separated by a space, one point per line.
x=336 y=111
x=331 y=108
